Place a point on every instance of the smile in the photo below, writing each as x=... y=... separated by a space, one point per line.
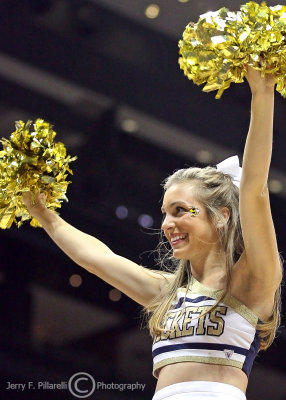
x=176 y=239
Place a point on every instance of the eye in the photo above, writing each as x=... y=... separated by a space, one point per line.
x=180 y=209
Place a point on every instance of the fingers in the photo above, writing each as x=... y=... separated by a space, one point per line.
x=27 y=199
x=38 y=201
x=41 y=198
x=257 y=82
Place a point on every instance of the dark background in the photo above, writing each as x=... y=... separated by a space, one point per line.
x=108 y=79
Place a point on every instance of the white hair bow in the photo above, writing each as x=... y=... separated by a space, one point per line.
x=231 y=167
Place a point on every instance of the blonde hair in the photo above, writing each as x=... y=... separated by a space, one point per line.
x=214 y=190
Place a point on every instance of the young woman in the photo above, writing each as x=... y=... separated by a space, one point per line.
x=209 y=316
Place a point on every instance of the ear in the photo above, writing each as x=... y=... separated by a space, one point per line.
x=224 y=217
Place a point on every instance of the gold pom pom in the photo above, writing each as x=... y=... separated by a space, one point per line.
x=30 y=161
x=217 y=48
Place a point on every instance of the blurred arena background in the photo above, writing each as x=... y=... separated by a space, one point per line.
x=105 y=73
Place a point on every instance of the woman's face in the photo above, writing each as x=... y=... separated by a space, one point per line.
x=187 y=234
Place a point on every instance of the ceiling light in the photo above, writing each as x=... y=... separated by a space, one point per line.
x=114 y=295
x=129 y=125
x=204 y=156
x=183 y=1
x=75 y=280
x=275 y=186
x=152 y=11
x=121 y=212
x=145 y=220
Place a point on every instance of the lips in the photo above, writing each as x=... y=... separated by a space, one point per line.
x=177 y=238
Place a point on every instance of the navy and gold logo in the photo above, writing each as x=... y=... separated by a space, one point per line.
x=194 y=321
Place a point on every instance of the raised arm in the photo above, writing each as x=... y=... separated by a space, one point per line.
x=262 y=265
x=135 y=281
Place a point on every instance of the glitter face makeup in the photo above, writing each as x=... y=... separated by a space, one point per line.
x=194 y=211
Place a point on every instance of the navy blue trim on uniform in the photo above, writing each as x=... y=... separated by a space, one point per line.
x=202 y=346
x=196 y=300
x=251 y=354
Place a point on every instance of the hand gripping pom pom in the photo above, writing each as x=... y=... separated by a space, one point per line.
x=30 y=161
x=217 y=48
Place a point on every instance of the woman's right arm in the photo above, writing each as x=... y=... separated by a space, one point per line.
x=137 y=282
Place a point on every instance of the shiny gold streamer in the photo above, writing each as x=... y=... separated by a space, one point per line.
x=217 y=48
x=31 y=161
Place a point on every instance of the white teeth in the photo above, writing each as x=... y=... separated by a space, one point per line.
x=174 y=238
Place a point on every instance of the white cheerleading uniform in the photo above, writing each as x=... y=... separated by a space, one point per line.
x=226 y=335
x=199 y=390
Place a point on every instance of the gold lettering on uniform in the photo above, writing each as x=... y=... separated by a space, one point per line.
x=175 y=327
x=166 y=334
x=215 y=319
x=201 y=330
x=180 y=322
x=188 y=330
x=156 y=339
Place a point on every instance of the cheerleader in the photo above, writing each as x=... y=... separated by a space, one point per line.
x=220 y=304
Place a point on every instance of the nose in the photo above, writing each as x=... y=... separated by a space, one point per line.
x=168 y=224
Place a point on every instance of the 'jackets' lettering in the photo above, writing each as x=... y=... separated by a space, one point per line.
x=194 y=320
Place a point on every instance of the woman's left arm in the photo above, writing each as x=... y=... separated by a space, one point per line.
x=262 y=263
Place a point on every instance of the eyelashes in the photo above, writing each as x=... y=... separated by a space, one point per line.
x=194 y=211
x=178 y=210
x=181 y=209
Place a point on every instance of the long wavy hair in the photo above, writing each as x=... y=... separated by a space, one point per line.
x=214 y=190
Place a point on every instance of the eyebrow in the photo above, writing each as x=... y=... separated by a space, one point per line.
x=173 y=204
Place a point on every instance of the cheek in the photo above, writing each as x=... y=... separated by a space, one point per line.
x=199 y=225
x=188 y=222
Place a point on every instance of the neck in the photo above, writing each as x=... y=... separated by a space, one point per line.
x=210 y=269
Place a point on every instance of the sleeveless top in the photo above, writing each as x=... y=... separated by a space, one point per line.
x=226 y=335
